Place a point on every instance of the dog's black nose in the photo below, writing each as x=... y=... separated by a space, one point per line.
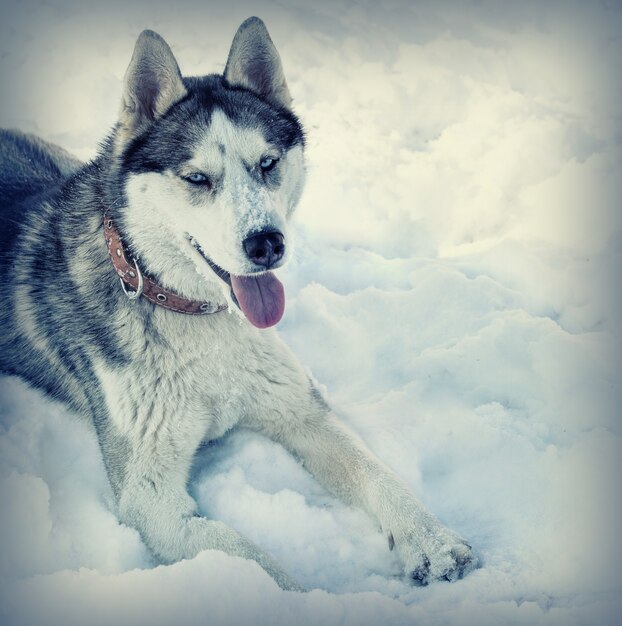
x=265 y=248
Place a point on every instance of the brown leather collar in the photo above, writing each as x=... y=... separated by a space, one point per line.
x=141 y=285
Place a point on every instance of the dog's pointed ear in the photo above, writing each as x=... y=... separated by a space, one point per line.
x=151 y=86
x=254 y=64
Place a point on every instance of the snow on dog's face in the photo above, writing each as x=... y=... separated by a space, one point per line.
x=212 y=170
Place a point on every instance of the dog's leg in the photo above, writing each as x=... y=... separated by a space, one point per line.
x=342 y=463
x=148 y=443
x=154 y=500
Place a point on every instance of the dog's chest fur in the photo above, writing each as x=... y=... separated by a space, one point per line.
x=195 y=377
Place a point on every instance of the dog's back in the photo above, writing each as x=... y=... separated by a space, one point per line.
x=29 y=167
x=32 y=172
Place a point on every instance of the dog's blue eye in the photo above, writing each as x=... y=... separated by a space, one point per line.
x=197 y=178
x=267 y=164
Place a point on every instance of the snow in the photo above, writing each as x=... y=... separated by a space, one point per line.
x=454 y=291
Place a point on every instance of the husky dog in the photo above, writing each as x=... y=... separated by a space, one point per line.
x=139 y=289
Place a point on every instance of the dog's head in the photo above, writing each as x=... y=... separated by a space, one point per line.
x=210 y=171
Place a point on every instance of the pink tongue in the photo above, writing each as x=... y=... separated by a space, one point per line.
x=261 y=298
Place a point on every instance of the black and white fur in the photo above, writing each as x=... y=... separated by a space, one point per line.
x=155 y=383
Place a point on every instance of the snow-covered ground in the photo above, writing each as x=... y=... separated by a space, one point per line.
x=454 y=290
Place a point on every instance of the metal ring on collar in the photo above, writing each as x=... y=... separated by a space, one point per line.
x=134 y=295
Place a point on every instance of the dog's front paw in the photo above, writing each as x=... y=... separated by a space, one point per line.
x=431 y=554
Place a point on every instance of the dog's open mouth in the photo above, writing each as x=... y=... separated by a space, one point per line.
x=260 y=297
